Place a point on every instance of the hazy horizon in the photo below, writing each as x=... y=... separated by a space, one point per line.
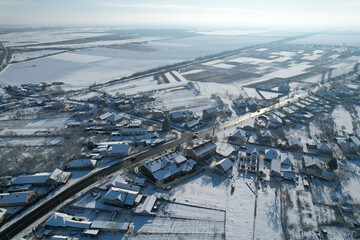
x=159 y=13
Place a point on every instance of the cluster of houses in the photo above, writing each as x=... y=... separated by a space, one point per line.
x=24 y=189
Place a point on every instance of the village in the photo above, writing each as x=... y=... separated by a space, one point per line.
x=165 y=156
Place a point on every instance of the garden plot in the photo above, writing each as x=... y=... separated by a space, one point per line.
x=176 y=210
x=193 y=71
x=270 y=95
x=268 y=218
x=343 y=119
x=26 y=55
x=338 y=232
x=240 y=208
x=180 y=99
x=299 y=212
x=223 y=65
x=330 y=193
x=31 y=141
x=146 y=224
x=178 y=236
x=213 y=62
x=350 y=186
x=326 y=215
x=79 y=57
x=209 y=88
x=295 y=69
x=204 y=190
x=252 y=93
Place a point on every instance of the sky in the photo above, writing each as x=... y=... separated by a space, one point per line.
x=197 y=13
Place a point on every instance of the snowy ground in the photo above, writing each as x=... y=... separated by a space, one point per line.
x=268 y=217
x=343 y=120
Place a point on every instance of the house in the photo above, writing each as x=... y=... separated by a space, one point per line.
x=287 y=159
x=239 y=136
x=224 y=165
x=139 y=181
x=65 y=220
x=105 y=116
x=252 y=153
x=272 y=154
x=313 y=166
x=168 y=167
x=15 y=199
x=253 y=106
x=177 y=116
x=148 y=205
x=210 y=113
x=191 y=124
x=83 y=163
x=120 y=197
x=55 y=177
x=120 y=182
x=295 y=144
x=202 y=151
x=119 y=150
x=135 y=124
x=324 y=148
x=266 y=135
x=241 y=104
x=224 y=149
x=275 y=168
x=133 y=131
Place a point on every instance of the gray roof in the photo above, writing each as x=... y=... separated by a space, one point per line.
x=225 y=164
x=83 y=163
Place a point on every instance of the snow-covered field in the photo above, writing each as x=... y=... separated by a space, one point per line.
x=204 y=190
x=268 y=217
x=240 y=208
x=343 y=120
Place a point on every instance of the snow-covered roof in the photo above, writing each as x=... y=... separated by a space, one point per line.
x=204 y=148
x=252 y=150
x=126 y=197
x=225 y=164
x=114 y=118
x=266 y=133
x=37 y=178
x=105 y=115
x=324 y=147
x=65 y=220
x=177 y=114
x=83 y=163
x=119 y=182
x=239 y=134
x=14 y=199
x=275 y=166
x=210 y=110
x=287 y=159
x=173 y=169
x=312 y=161
x=272 y=154
x=148 y=204
x=133 y=130
x=224 y=149
x=119 y=149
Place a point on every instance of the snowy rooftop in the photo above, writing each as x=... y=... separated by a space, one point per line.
x=272 y=154
x=65 y=220
x=225 y=164
x=83 y=163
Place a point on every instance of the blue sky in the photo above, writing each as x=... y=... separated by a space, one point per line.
x=210 y=13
